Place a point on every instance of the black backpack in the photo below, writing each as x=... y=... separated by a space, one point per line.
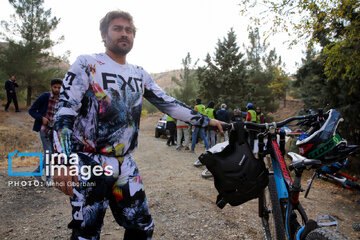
x=238 y=175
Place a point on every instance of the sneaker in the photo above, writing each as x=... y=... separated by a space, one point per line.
x=6 y=110
x=17 y=111
x=179 y=148
x=187 y=148
x=168 y=144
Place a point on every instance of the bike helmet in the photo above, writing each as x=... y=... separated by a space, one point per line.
x=324 y=143
x=249 y=105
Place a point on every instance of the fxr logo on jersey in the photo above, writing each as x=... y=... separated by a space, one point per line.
x=135 y=84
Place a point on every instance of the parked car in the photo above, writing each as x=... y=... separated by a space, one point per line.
x=160 y=128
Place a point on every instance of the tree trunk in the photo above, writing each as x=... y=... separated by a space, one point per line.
x=28 y=97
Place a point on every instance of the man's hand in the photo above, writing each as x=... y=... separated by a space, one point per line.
x=45 y=120
x=64 y=182
x=216 y=123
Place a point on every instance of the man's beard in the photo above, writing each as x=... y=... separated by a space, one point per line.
x=115 y=48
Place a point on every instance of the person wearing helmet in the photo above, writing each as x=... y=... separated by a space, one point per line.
x=251 y=117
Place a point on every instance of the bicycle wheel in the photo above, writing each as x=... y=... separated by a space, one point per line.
x=206 y=173
x=272 y=220
x=325 y=234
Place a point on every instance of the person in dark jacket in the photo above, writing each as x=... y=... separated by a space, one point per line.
x=224 y=116
x=43 y=111
x=10 y=86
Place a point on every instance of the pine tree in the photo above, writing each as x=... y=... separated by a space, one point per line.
x=223 y=78
x=28 y=58
x=261 y=67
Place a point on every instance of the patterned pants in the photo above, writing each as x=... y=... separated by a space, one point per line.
x=123 y=192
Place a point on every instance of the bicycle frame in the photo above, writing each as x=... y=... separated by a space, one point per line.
x=287 y=190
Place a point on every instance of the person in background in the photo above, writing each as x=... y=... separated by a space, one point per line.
x=303 y=111
x=251 y=117
x=182 y=130
x=43 y=111
x=171 y=125
x=236 y=117
x=199 y=129
x=10 y=86
x=260 y=118
x=224 y=116
x=210 y=112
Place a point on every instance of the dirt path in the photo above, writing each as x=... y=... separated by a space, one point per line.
x=180 y=201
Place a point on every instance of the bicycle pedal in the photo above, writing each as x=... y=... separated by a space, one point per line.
x=326 y=221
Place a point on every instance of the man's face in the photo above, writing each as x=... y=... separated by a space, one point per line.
x=120 y=37
x=12 y=78
x=56 y=89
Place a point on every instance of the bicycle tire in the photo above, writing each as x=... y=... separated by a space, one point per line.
x=325 y=234
x=206 y=173
x=356 y=226
x=272 y=219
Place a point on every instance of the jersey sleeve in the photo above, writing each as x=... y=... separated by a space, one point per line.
x=75 y=84
x=169 y=105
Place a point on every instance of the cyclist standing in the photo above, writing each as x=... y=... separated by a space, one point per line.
x=98 y=119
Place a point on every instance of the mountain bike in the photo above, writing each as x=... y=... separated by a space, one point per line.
x=279 y=205
x=330 y=173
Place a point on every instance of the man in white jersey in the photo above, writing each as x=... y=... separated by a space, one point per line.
x=98 y=120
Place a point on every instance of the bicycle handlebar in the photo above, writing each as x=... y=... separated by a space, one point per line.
x=260 y=126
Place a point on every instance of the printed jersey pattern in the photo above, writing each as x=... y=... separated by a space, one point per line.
x=100 y=106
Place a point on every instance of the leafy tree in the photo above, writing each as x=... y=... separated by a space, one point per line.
x=223 y=78
x=28 y=52
x=187 y=84
x=333 y=78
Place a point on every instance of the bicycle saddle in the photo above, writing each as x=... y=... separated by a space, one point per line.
x=299 y=161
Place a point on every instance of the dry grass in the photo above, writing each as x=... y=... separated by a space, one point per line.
x=16 y=134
